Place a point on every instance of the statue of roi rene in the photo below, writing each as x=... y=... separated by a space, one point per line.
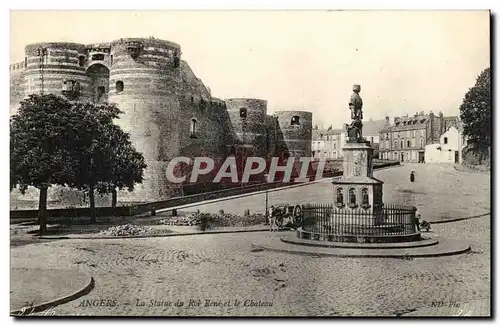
x=354 y=130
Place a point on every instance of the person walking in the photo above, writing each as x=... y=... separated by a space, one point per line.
x=412 y=176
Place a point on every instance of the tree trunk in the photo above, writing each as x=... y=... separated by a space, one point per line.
x=42 y=210
x=113 y=198
x=92 y=204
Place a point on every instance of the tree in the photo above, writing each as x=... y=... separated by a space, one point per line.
x=475 y=112
x=104 y=158
x=41 y=139
x=125 y=164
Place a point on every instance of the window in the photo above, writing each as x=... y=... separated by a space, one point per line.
x=408 y=144
x=98 y=57
x=71 y=89
x=176 y=59
x=193 y=128
x=421 y=142
x=25 y=61
x=364 y=197
x=446 y=140
x=295 y=120
x=192 y=99
x=243 y=113
x=119 y=87
x=352 y=197
x=402 y=144
x=81 y=60
x=340 y=197
x=395 y=144
x=111 y=59
x=327 y=137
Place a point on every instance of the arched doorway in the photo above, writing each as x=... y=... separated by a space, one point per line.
x=99 y=75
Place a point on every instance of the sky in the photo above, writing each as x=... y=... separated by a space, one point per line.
x=405 y=61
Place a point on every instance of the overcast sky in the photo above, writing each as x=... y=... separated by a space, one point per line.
x=307 y=60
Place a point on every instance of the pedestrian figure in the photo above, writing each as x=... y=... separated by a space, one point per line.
x=412 y=176
x=417 y=220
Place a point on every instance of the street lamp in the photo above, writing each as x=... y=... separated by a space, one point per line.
x=267 y=188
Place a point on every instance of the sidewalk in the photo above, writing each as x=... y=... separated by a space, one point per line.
x=34 y=286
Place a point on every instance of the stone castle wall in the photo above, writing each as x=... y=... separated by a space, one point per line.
x=167 y=110
x=298 y=137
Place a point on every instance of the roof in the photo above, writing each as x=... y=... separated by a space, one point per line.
x=356 y=180
x=318 y=133
x=408 y=123
x=374 y=127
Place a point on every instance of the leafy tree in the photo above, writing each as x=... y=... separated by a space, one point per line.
x=105 y=159
x=125 y=164
x=475 y=112
x=41 y=139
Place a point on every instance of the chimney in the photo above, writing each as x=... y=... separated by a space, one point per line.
x=441 y=124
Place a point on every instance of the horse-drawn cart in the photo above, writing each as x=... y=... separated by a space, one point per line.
x=287 y=214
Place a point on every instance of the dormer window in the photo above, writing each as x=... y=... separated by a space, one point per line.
x=295 y=121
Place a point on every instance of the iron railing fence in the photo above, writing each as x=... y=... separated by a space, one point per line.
x=385 y=220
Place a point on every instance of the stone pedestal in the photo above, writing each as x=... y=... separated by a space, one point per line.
x=357 y=188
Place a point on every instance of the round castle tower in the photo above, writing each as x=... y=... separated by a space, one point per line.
x=143 y=80
x=56 y=67
x=296 y=127
x=248 y=118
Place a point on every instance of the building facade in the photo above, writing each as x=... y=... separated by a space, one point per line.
x=449 y=148
x=371 y=132
x=408 y=137
x=328 y=143
x=167 y=110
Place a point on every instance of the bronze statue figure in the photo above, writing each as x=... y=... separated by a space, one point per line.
x=354 y=130
x=356 y=104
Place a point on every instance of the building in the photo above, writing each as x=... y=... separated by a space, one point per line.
x=407 y=138
x=372 y=129
x=327 y=143
x=167 y=110
x=371 y=132
x=449 y=148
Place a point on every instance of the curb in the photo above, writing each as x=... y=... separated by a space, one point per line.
x=460 y=219
x=398 y=256
x=157 y=235
x=56 y=302
x=369 y=246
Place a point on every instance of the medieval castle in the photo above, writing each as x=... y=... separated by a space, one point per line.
x=167 y=110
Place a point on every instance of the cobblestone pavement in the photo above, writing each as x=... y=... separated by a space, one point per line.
x=223 y=268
